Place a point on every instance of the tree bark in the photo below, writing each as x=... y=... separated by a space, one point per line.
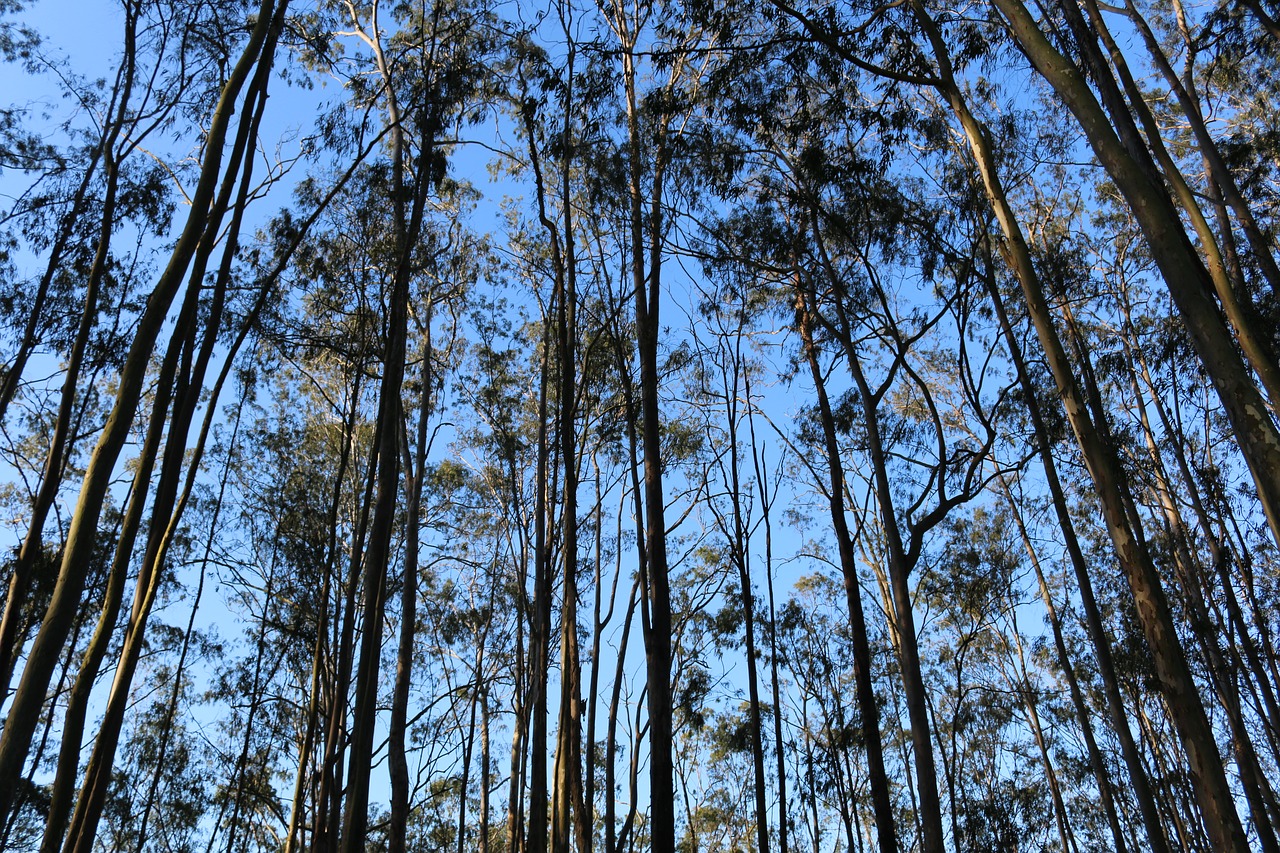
x=1190 y=286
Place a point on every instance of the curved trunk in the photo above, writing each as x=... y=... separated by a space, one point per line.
x=83 y=530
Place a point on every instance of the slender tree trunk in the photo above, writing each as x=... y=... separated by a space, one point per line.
x=1026 y=692
x=540 y=631
x=611 y=837
x=740 y=554
x=1101 y=641
x=648 y=294
x=766 y=504
x=639 y=592
x=868 y=706
x=468 y=750
x=598 y=623
x=1083 y=712
x=520 y=693
x=82 y=533
x=62 y=791
x=1109 y=482
x=1189 y=285
x=297 y=818
x=397 y=760
x=51 y=477
x=328 y=815
x=567 y=799
x=409 y=196
x=915 y=693
x=168 y=505
x=240 y=784
x=171 y=710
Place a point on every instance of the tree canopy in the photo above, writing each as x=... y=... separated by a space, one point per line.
x=657 y=426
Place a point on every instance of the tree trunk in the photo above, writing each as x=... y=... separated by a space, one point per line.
x=868 y=707
x=1190 y=286
x=1098 y=636
x=397 y=760
x=648 y=295
x=82 y=532
x=1083 y=712
x=1109 y=483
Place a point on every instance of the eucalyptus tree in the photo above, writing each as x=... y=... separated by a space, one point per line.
x=188 y=357
x=499 y=387
x=844 y=240
x=248 y=74
x=553 y=172
x=138 y=103
x=1163 y=491
x=953 y=470
x=459 y=260
x=424 y=63
x=451 y=437
x=937 y=68
x=1113 y=125
x=321 y=354
x=726 y=362
x=663 y=63
x=817 y=650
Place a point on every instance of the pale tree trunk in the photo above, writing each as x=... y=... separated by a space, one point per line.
x=536 y=840
x=1023 y=688
x=611 y=727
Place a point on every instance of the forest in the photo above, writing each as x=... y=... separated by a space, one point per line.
x=714 y=426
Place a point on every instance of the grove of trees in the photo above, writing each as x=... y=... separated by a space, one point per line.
x=756 y=426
